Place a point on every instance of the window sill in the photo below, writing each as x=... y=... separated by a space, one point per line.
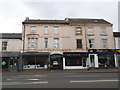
x=103 y=34
x=78 y=34
x=90 y=34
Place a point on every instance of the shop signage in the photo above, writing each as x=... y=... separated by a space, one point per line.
x=118 y=51
x=3 y=63
x=75 y=54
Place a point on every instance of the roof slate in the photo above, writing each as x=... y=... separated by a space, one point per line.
x=10 y=35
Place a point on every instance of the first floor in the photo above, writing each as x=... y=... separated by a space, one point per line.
x=67 y=60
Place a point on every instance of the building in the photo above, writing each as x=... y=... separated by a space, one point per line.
x=117 y=44
x=72 y=43
x=11 y=45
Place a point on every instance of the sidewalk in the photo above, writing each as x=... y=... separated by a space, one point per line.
x=115 y=70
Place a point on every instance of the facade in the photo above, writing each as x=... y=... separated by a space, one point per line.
x=117 y=45
x=72 y=43
x=11 y=45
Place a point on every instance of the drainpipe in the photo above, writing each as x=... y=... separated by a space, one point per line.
x=24 y=38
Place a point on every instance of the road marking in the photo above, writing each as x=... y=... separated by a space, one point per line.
x=93 y=81
x=43 y=82
x=33 y=79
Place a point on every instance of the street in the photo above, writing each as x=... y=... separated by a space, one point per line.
x=59 y=79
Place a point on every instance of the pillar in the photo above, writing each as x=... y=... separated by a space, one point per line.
x=96 y=61
x=63 y=63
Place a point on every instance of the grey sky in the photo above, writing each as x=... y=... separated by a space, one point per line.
x=13 y=12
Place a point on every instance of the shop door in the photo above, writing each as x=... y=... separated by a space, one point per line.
x=13 y=65
x=84 y=62
x=92 y=60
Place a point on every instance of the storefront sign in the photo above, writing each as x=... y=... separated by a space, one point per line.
x=75 y=54
x=3 y=63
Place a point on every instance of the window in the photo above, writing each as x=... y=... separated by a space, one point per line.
x=33 y=29
x=91 y=43
x=56 y=30
x=90 y=31
x=36 y=42
x=103 y=30
x=79 y=43
x=46 y=42
x=4 y=45
x=56 y=42
x=78 y=30
x=32 y=42
x=104 y=42
x=28 y=42
x=46 y=30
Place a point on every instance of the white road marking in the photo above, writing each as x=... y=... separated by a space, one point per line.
x=42 y=82
x=93 y=81
x=33 y=79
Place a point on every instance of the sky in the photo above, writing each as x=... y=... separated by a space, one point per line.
x=14 y=12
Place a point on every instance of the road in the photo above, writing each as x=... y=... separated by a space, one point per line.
x=60 y=79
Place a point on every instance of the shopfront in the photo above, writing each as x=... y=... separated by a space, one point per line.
x=10 y=61
x=75 y=60
x=56 y=61
x=105 y=58
x=36 y=61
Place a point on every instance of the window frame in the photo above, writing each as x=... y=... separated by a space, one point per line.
x=90 y=28
x=77 y=43
x=56 y=43
x=103 y=28
x=103 y=43
x=32 y=31
x=92 y=43
x=78 y=31
x=55 y=29
x=45 y=42
x=45 y=29
x=4 y=47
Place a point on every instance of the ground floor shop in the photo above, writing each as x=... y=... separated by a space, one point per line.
x=35 y=61
x=75 y=60
x=10 y=61
x=101 y=58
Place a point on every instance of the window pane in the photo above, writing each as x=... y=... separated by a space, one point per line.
x=91 y=43
x=32 y=42
x=78 y=30
x=36 y=42
x=56 y=30
x=90 y=31
x=104 y=43
x=46 y=30
x=33 y=29
x=28 y=42
x=56 y=43
x=103 y=30
x=79 y=43
x=4 y=45
x=46 y=42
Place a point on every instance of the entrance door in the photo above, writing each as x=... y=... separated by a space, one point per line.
x=92 y=60
x=84 y=62
x=13 y=65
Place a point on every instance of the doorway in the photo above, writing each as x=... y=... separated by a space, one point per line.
x=92 y=60
x=13 y=65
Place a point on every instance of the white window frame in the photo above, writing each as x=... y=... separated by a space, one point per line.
x=56 y=28
x=92 y=43
x=104 y=44
x=90 y=31
x=78 y=30
x=103 y=30
x=46 y=42
x=56 y=42
x=46 y=30
x=33 y=29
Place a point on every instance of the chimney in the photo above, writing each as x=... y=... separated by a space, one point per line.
x=27 y=18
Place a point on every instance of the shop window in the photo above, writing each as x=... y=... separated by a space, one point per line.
x=46 y=42
x=56 y=30
x=73 y=61
x=91 y=43
x=46 y=29
x=56 y=42
x=78 y=30
x=104 y=43
x=79 y=43
x=33 y=29
x=4 y=45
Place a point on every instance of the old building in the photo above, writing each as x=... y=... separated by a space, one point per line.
x=11 y=45
x=72 y=43
x=117 y=45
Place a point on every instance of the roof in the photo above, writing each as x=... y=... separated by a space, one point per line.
x=116 y=34
x=66 y=21
x=10 y=35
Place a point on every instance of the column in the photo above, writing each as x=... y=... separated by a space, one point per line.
x=89 y=63
x=96 y=61
x=63 y=63
x=116 y=60
x=20 y=62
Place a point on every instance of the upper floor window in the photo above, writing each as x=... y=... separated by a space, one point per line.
x=90 y=30
x=91 y=43
x=46 y=29
x=32 y=42
x=33 y=29
x=46 y=42
x=56 y=30
x=79 y=43
x=104 y=43
x=4 y=45
x=56 y=42
x=103 y=30
x=78 y=30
